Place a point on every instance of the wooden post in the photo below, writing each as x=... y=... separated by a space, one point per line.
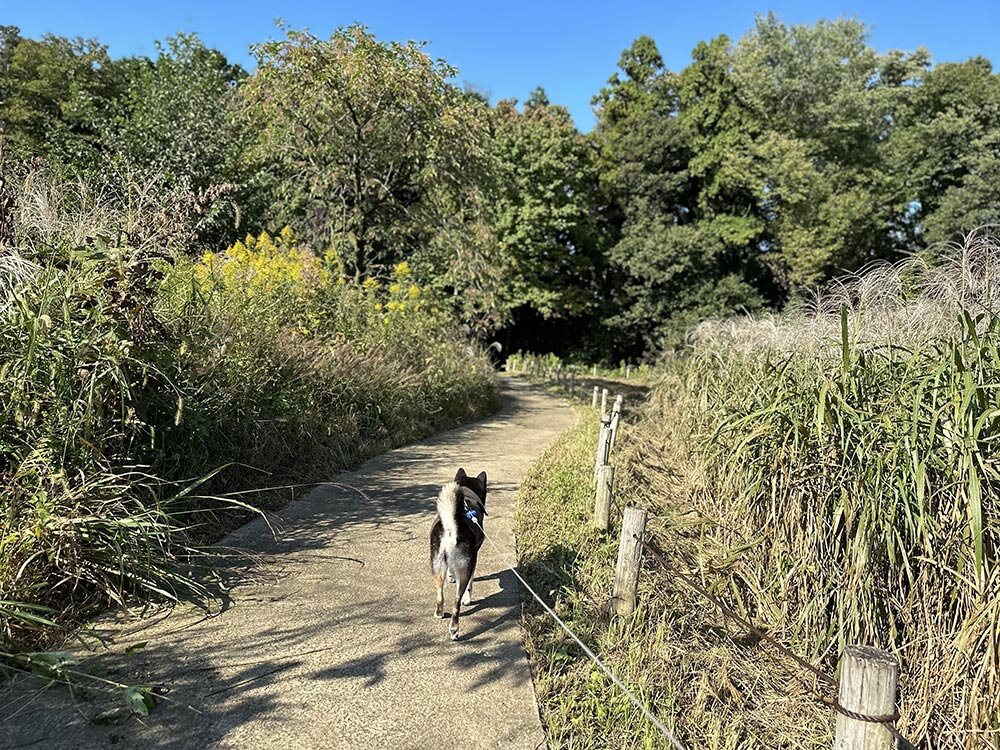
x=604 y=401
x=593 y=401
x=628 y=371
x=593 y=372
x=603 y=447
x=616 y=418
x=868 y=678
x=572 y=384
x=629 y=556
x=605 y=490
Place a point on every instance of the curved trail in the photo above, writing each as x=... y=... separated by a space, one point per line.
x=338 y=647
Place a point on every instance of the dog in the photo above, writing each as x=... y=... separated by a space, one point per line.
x=456 y=536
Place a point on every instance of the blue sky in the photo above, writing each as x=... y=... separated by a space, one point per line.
x=507 y=48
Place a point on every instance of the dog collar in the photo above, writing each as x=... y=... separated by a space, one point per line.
x=471 y=495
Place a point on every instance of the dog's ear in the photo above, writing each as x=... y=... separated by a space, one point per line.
x=482 y=478
x=460 y=475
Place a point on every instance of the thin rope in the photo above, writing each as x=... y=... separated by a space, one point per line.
x=593 y=657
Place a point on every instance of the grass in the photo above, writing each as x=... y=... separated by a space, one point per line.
x=830 y=473
x=144 y=394
x=694 y=670
x=547 y=365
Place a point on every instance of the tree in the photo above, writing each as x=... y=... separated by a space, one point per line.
x=175 y=122
x=547 y=213
x=826 y=102
x=56 y=92
x=367 y=143
x=948 y=149
x=674 y=258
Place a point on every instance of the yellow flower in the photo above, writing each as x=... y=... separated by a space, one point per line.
x=413 y=292
x=369 y=284
x=394 y=288
x=393 y=306
x=402 y=270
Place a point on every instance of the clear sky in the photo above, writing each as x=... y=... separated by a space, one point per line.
x=507 y=48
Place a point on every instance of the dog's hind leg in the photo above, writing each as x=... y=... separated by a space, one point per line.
x=439 y=601
x=467 y=599
x=464 y=576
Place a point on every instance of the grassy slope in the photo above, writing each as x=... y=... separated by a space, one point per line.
x=703 y=678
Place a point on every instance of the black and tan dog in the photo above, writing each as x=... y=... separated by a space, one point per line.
x=456 y=537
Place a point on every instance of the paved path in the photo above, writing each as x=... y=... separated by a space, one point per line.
x=339 y=648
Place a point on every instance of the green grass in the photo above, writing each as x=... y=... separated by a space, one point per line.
x=694 y=670
x=144 y=396
x=831 y=473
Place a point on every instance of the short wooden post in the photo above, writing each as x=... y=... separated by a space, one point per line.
x=628 y=371
x=623 y=596
x=572 y=383
x=604 y=400
x=593 y=371
x=616 y=418
x=868 y=679
x=593 y=402
x=605 y=490
x=603 y=447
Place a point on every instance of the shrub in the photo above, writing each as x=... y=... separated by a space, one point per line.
x=126 y=367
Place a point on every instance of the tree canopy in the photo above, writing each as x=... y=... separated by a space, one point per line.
x=764 y=167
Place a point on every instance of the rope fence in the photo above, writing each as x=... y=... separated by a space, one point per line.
x=866 y=694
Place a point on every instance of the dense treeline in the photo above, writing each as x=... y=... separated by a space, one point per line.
x=766 y=166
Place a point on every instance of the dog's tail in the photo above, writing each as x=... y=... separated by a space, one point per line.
x=448 y=505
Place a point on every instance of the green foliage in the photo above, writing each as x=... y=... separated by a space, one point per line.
x=169 y=122
x=176 y=121
x=948 y=147
x=367 y=142
x=764 y=167
x=687 y=228
x=55 y=93
x=547 y=221
x=125 y=370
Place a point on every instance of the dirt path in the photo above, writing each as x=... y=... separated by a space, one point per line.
x=338 y=648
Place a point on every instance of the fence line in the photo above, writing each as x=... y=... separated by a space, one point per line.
x=869 y=676
x=586 y=649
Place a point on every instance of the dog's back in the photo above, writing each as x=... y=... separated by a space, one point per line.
x=454 y=538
